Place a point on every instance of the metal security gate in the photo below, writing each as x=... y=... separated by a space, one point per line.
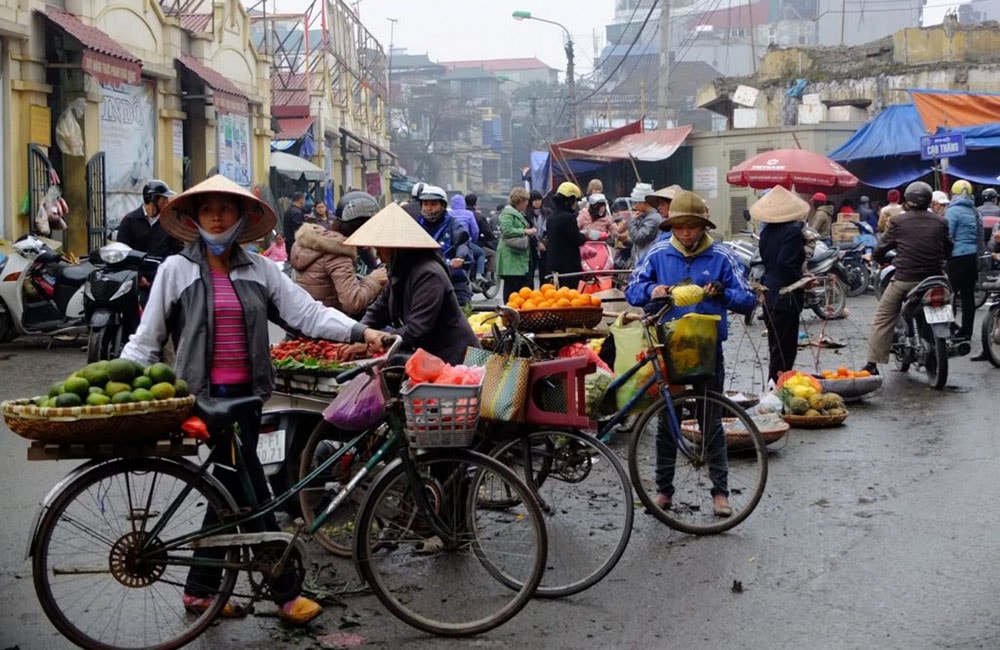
x=39 y=178
x=97 y=208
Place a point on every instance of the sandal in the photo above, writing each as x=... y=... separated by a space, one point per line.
x=721 y=507
x=199 y=604
x=662 y=501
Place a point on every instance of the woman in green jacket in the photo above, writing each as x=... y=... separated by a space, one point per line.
x=513 y=261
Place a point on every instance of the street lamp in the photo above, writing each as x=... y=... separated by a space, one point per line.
x=570 y=76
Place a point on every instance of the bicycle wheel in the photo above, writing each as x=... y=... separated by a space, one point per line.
x=586 y=500
x=691 y=508
x=479 y=578
x=337 y=533
x=93 y=582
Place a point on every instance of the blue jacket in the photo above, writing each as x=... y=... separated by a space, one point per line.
x=446 y=232
x=963 y=226
x=664 y=264
x=465 y=217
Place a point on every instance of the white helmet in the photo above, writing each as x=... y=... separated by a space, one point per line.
x=596 y=198
x=433 y=193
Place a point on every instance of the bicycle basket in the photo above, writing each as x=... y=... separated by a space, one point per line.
x=690 y=347
x=441 y=415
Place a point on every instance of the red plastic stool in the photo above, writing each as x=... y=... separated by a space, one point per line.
x=570 y=373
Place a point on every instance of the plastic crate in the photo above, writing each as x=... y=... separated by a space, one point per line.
x=441 y=415
x=557 y=393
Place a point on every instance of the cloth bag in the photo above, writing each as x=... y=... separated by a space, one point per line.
x=505 y=384
x=359 y=405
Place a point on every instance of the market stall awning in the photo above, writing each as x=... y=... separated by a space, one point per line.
x=228 y=97
x=295 y=168
x=103 y=57
x=293 y=128
x=944 y=110
x=649 y=146
x=588 y=142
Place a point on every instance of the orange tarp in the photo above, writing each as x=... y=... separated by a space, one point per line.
x=946 y=110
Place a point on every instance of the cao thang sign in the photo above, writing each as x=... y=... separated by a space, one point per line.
x=942 y=145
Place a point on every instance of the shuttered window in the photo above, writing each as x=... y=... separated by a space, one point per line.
x=737 y=204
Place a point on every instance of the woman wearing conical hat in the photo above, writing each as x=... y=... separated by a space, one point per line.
x=419 y=302
x=215 y=300
x=783 y=254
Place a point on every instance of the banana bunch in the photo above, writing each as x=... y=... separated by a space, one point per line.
x=687 y=295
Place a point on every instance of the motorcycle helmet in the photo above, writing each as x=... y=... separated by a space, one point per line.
x=569 y=190
x=356 y=205
x=960 y=187
x=433 y=193
x=990 y=195
x=594 y=203
x=918 y=195
x=154 y=189
x=417 y=189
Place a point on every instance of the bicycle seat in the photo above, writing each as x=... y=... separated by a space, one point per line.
x=218 y=412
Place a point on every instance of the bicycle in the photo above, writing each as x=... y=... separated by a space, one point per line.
x=114 y=540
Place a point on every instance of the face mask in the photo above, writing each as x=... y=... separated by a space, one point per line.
x=219 y=243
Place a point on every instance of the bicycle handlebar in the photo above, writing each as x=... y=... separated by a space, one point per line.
x=391 y=343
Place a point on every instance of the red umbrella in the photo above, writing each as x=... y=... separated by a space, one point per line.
x=796 y=169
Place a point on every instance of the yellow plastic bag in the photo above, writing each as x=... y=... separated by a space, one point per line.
x=630 y=343
x=690 y=347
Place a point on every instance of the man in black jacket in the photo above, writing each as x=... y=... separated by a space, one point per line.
x=781 y=249
x=922 y=246
x=564 y=237
x=293 y=219
x=140 y=229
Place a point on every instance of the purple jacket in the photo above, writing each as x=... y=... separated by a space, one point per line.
x=465 y=217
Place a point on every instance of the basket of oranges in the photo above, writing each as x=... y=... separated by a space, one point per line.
x=852 y=385
x=548 y=308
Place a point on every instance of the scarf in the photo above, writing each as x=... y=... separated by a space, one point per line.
x=703 y=245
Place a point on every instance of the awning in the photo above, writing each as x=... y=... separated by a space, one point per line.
x=228 y=97
x=295 y=168
x=943 y=110
x=650 y=146
x=103 y=57
x=293 y=128
x=360 y=139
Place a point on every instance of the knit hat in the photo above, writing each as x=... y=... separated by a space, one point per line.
x=779 y=206
x=391 y=227
x=179 y=217
x=640 y=192
x=685 y=206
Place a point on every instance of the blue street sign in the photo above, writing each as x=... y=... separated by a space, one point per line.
x=942 y=145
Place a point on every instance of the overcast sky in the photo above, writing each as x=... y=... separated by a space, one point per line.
x=452 y=30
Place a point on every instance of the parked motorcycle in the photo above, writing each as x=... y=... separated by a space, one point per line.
x=114 y=296
x=990 y=328
x=857 y=269
x=922 y=337
x=40 y=292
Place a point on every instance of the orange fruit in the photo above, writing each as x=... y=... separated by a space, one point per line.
x=516 y=302
x=549 y=294
x=511 y=297
x=595 y=301
x=525 y=292
x=864 y=373
x=563 y=302
x=580 y=302
x=529 y=304
x=546 y=287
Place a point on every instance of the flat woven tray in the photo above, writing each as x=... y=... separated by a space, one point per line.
x=737 y=438
x=814 y=421
x=113 y=423
x=548 y=320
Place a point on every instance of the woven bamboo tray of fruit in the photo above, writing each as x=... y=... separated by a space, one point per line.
x=737 y=437
x=849 y=384
x=547 y=309
x=806 y=404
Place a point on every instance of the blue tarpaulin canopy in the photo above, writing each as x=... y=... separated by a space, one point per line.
x=886 y=152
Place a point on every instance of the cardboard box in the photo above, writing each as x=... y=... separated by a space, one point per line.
x=847 y=114
x=812 y=113
x=844 y=232
x=749 y=118
x=844 y=217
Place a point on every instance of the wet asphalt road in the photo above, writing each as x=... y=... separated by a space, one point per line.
x=878 y=534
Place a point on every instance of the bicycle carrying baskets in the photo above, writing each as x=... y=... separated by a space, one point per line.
x=136 y=422
x=441 y=415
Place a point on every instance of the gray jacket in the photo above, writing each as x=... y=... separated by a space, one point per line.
x=643 y=232
x=180 y=306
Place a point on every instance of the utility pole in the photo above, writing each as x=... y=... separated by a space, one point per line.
x=571 y=84
x=663 y=94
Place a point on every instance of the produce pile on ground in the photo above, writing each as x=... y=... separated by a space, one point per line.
x=842 y=372
x=118 y=381
x=548 y=297
x=801 y=394
x=310 y=354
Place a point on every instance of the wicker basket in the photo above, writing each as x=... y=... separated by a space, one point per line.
x=548 y=320
x=814 y=421
x=737 y=438
x=136 y=422
x=441 y=415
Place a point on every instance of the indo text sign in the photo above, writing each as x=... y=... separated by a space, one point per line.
x=942 y=145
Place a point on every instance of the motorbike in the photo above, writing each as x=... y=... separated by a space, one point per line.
x=857 y=269
x=114 y=296
x=990 y=328
x=40 y=292
x=922 y=336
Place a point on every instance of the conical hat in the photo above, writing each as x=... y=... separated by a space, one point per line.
x=180 y=215
x=392 y=227
x=779 y=206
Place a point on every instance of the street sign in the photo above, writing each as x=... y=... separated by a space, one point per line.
x=942 y=145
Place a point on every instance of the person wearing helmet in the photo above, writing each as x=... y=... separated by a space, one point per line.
x=920 y=239
x=412 y=206
x=438 y=222
x=990 y=212
x=965 y=228
x=141 y=229
x=691 y=253
x=326 y=265
x=644 y=226
x=595 y=253
x=467 y=218
x=563 y=235
x=891 y=209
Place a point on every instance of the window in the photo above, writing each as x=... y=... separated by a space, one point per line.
x=736 y=156
x=737 y=204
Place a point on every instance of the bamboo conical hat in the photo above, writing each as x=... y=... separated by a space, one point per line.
x=179 y=216
x=392 y=227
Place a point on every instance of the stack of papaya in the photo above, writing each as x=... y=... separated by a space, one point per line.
x=549 y=297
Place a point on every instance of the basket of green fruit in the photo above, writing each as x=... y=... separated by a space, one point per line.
x=116 y=401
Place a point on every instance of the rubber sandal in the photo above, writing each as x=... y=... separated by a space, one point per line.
x=662 y=501
x=199 y=604
x=722 y=509
x=299 y=611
